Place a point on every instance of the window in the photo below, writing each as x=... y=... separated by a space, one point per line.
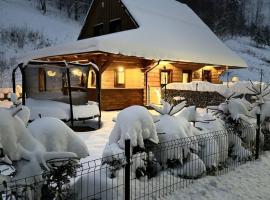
x=92 y=79
x=98 y=30
x=165 y=77
x=42 y=79
x=187 y=76
x=207 y=75
x=119 y=77
x=115 y=25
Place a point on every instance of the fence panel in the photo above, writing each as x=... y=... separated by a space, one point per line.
x=149 y=173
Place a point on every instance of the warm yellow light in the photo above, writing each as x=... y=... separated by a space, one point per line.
x=120 y=69
x=164 y=63
x=235 y=79
x=208 y=67
x=77 y=72
x=51 y=73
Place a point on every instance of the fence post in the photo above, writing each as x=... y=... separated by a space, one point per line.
x=127 y=170
x=258 y=132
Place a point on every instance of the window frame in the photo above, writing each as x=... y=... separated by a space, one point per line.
x=102 y=29
x=116 y=78
x=115 y=21
x=169 y=80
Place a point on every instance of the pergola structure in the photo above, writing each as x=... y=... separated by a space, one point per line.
x=59 y=82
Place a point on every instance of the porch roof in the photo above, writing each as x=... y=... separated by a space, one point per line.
x=168 y=30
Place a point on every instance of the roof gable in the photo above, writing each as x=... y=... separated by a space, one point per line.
x=168 y=30
x=103 y=13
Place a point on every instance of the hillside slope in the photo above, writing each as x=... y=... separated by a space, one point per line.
x=257 y=59
x=24 y=28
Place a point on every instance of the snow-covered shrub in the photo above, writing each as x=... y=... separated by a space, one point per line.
x=56 y=136
x=19 y=144
x=144 y=165
x=134 y=123
x=24 y=114
x=95 y=185
x=113 y=156
x=215 y=130
x=171 y=128
x=209 y=151
x=194 y=167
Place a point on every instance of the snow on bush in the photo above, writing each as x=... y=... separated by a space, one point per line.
x=171 y=128
x=113 y=156
x=24 y=114
x=194 y=167
x=95 y=185
x=56 y=136
x=19 y=144
x=209 y=151
x=134 y=123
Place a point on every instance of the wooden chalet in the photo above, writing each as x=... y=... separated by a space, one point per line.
x=140 y=46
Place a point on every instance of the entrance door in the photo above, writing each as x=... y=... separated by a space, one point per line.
x=207 y=75
x=187 y=76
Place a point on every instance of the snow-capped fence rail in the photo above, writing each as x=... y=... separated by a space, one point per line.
x=151 y=172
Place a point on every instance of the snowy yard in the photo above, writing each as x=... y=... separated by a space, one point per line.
x=245 y=182
x=96 y=140
x=249 y=181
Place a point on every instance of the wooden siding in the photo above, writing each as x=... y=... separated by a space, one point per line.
x=103 y=11
x=153 y=82
x=117 y=99
x=134 y=77
x=215 y=74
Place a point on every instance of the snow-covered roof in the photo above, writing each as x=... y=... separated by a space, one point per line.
x=168 y=30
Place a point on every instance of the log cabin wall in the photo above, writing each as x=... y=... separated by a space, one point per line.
x=215 y=74
x=154 y=84
x=134 y=77
x=117 y=98
x=103 y=12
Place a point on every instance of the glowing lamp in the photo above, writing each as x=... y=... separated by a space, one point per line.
x=51 y=73
x=77 y=72
x=235 y=79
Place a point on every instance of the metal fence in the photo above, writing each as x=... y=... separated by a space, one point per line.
x=141 y=173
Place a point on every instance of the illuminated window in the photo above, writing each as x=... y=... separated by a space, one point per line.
x=120 y=77
x=165 y=77
x=92 y=79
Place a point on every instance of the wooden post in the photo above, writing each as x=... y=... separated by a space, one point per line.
x=70 y=98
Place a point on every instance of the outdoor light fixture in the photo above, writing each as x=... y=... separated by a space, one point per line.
x=235 y=79
x=51 y=73
x=77 y=72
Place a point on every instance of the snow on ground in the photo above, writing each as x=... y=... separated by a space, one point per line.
x=256 y=59
x=96 y=140
x=249 y=181
x=21 y=17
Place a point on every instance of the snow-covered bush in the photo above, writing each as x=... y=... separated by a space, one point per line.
x=134 y=123
x=194 y=167
x=95 y=185
x=171 y=128
x=56 y=136
x=113 y=156
x=19 y=144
